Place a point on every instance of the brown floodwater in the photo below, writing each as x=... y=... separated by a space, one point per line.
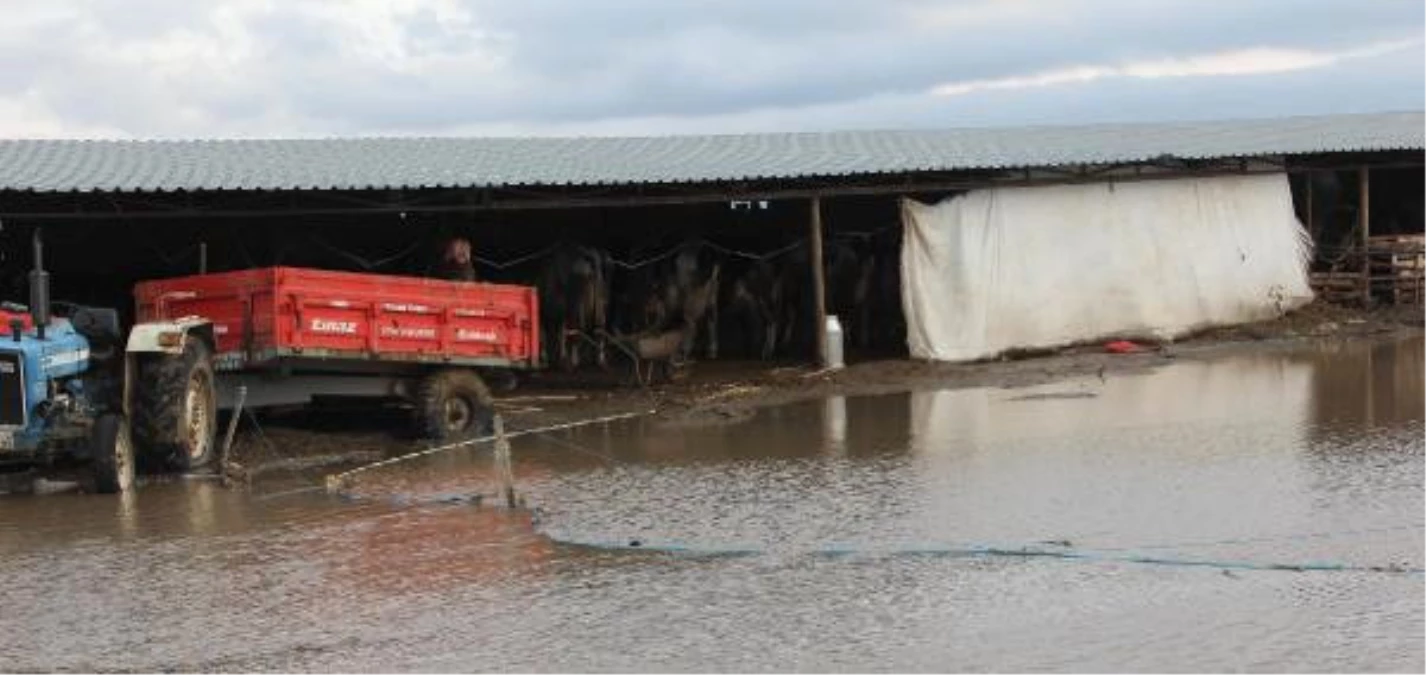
x=1297 y=456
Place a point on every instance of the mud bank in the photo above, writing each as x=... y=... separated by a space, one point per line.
x=306 y=444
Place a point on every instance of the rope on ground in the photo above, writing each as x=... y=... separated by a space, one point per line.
x=334 y=482
x=249 y=474
x=577 y=448
x=981 y=550
x=289 y=493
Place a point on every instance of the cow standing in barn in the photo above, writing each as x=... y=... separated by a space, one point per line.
x=574 y=300
x=676 y=293
x=888 y=317
x=795 y=310
x=850 y=266
x=752 y=309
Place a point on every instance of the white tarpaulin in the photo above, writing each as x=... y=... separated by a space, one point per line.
x=1010 y=268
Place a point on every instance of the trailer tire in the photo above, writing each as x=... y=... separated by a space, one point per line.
x=111 y=454
x=176 y=408
x=454 y=404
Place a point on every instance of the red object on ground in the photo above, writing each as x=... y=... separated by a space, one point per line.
x=1122 y=347
x=282 y=312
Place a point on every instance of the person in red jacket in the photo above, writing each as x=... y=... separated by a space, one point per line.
x=456 y=262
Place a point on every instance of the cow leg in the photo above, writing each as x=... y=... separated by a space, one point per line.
x=863 y=313
x=769 y=330
x=563 y=341
x=711 y=317
x=866 y=325
x=864 y=299
x=787 y=326
x=551 y=341
x=686 y=342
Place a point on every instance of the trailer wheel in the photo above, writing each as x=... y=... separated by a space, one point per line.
x=454 y=404
x=112 y=455
x=176 y=408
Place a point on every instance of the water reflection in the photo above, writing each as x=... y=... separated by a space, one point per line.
x=834 y=425
x=1365 y=384
x=1227 y=390
x=1111 y=470
x=1306 y=454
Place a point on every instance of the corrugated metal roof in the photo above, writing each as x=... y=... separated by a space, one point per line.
x=361 y=163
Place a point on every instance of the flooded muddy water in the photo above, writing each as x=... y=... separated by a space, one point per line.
x=1286 y=456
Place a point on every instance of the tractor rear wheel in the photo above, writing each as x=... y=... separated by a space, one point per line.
x=176 y=408
x=111 y=455
x=454 y=404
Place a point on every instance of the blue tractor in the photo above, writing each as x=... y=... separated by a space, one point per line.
x=70 y=383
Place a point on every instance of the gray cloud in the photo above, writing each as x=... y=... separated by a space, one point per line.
x=264 y=67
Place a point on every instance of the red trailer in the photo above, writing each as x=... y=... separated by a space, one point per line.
x=290 y=334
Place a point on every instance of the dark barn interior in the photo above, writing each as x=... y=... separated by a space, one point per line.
x=759 y=247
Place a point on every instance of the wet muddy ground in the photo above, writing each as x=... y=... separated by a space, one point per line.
x=303 y=445
x=1292 y=453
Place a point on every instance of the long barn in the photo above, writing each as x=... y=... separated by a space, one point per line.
x=823 y=214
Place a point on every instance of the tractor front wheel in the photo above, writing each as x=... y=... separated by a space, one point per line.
x=112 y=455
x=176 y=408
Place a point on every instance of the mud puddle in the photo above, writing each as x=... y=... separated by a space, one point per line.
x=1306 y=454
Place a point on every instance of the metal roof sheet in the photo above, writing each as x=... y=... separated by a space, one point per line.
x=383 y=163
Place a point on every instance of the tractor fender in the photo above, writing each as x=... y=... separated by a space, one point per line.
x=168 y=337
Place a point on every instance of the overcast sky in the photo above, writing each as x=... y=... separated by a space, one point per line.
x=294 y=68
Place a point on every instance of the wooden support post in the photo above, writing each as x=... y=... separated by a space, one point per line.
x=503 y=469
x=1311 y=231
x=1364 y=221
x=819 y=285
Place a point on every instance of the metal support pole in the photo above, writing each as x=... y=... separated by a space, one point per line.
x=233 y=425
x=1311 y=229
x=1364 y=221
x=203 y=257
x=504 y=471
x=819 y=286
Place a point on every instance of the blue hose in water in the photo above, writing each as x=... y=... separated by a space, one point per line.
x=974 y=550
x=950 y=550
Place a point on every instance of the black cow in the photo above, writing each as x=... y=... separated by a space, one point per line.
x=850 y=265
x=796 y=310
x=752 y=309
x=677 y=293
x=888 y=316
x=574 y=300
x=863 y=288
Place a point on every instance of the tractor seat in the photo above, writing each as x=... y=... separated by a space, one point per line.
x=99 y=325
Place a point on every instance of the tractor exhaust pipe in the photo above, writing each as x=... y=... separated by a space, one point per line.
x=39 y=287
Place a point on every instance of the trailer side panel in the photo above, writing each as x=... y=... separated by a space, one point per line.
x=259 y=315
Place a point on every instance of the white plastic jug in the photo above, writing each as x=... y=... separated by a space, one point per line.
x=834 y=343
